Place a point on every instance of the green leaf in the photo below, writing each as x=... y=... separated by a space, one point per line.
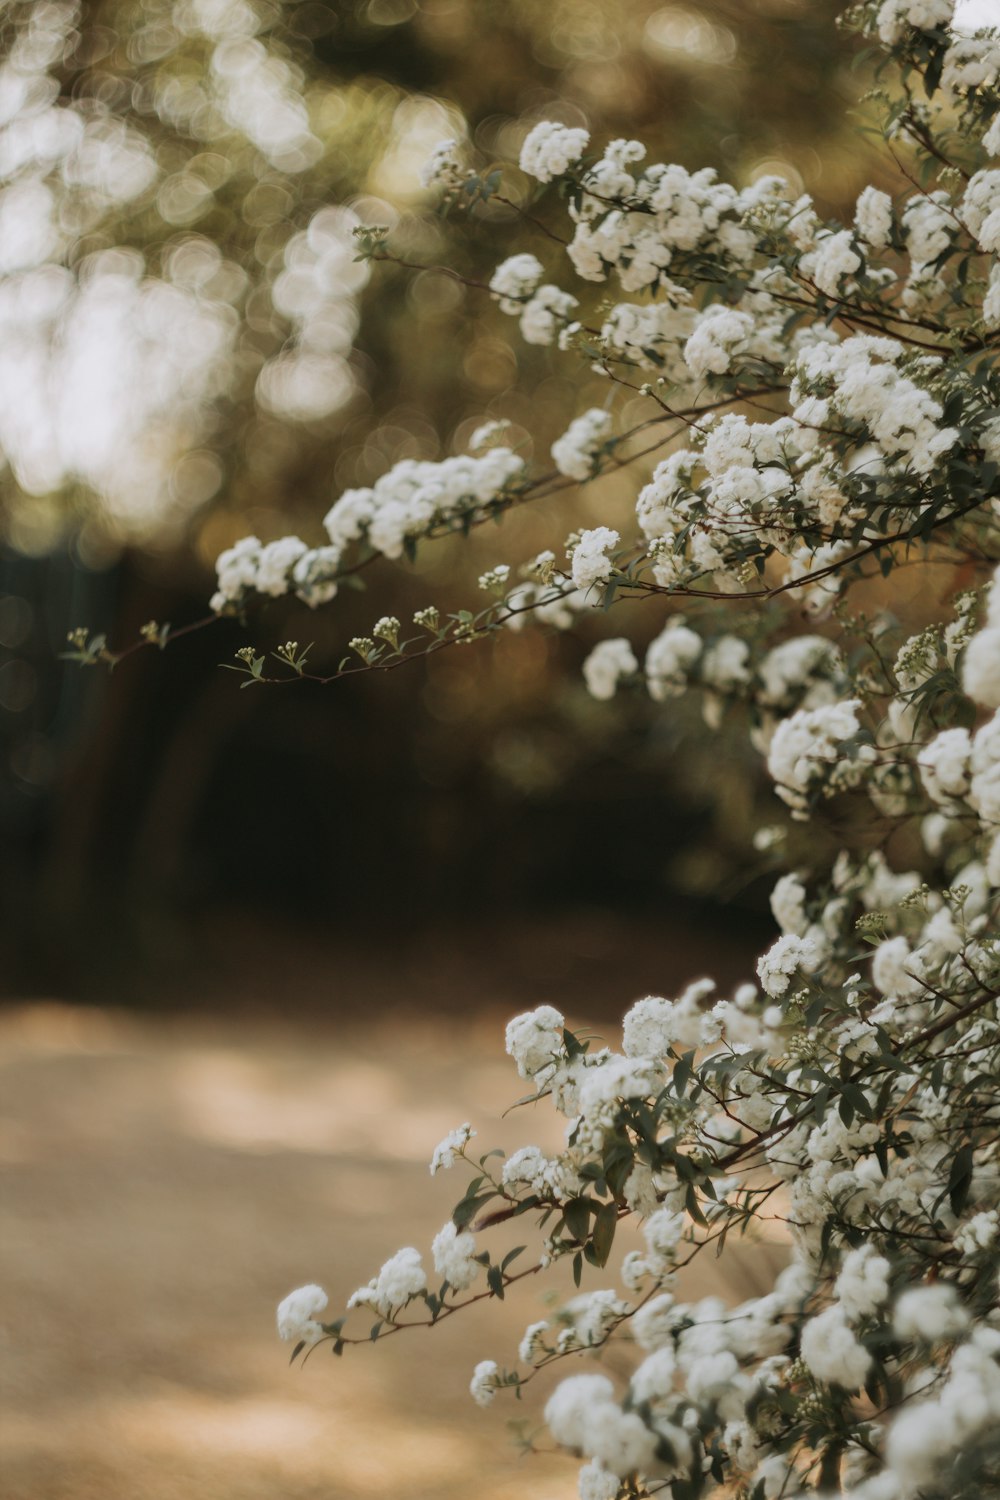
x=960 y=1178
x=494 y=1280
x=464 y=1212
x=576 y=1217
x=604 y=1233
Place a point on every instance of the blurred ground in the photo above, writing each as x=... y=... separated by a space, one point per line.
x=167 y=1179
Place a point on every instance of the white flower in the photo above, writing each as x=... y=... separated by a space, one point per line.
x=546 y=314
x=275 y=564
x=873 y=218
x=654 y=1378
x=662 y=1232
x=981 y=667
x=978 y=1233
x=454 y=1253
x=835 y=259
x=572 y=1404
x=944 y=765
x=496 y=428
x=237 y=569
x=669 y=658
x=590 y=562
x=654 y=1323
x=577 y=451
x=788 y=904
x=297 y=1314
x=443 y=169
x=400 y=1279
x=783 y=959
x=726 y=663
x=595 y=1483
x=721 y=331
x=930 y=1313
x=863 y=1283
x=549 y=149
x=807 y=752
x=533 y=1342
x=535 y=1039
x=445 y=1151
x=484 y=1382
x=924 y=15
x=832 y=1352
x=315 y=575
x=514 y=281
x=606 y=665
x=892 y=969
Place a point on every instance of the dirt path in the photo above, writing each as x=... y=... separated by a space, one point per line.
x=165 y=1182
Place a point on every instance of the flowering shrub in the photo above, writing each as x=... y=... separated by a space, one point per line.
x=823 y=408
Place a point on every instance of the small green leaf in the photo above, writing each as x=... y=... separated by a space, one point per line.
x=604 y=1233
x=960 y=1179
x=576 y=1217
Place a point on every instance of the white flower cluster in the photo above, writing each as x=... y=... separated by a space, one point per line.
x=607 y=664
x=297 y=1314
x=895 y=16
x=981 y=664
x=405 y=503
x=576 y=453
x=550 y=149
x=589 y=561
x=850 y=1092
x=443 y=169
x=400 y=1280
x=447 y=1151
x=817 y=751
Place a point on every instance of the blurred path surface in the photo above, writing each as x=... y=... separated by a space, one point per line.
x=167 y=1180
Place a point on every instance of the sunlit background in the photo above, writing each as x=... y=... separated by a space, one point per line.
x=203 y=889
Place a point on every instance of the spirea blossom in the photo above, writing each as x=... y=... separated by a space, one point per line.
x=832 y=1352
x=515 y=280
x=930 y=1313
x=447 y=1150
x=808 y=753
x=535 y=1039
x=485 y=1378
x=863 y=1283
x=443 y=168
x=454 y=1252
x=549 y=149
x=298 y=1313
x=719 y=334
x=606 y=665
x=895 y=16
x=783 y=457
x=590 y=562
x=873 y=218
x=577 y=451
x=669 y=658
x=782 y=960
x=400 y=1279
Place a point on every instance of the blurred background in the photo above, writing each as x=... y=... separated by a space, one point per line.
x=258 y=947
x=190 y=353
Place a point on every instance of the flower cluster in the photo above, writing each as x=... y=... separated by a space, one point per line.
x=822 y=414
